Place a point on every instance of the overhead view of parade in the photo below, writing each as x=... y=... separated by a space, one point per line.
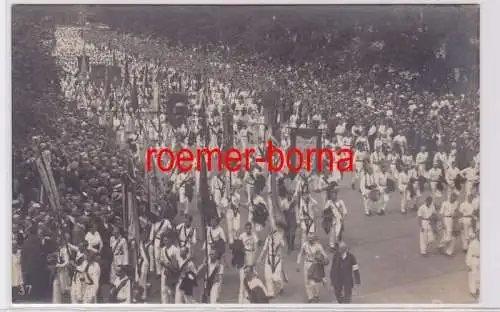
x=386 y=210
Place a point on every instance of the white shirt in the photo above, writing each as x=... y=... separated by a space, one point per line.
x=337 y=209
x=308 y=251
x=407 y=159
x=215 y=234
x=400 y=140
x=472 y=259
x=340 y=129
x=467 y=209
x=250 y=242
x=158 y=229
x=381 y=179
x=470 y=175
x=170 y=254
x=422 y=157
x=451 y=174
x=273 y=247
x=448 y=209
x=94 y=240
x=187 y=235
x=435 y=174
x=306 y=209
x=425 y=213
x=119 y=249
x=367 y=179
x=403 y=178
x=124 y=294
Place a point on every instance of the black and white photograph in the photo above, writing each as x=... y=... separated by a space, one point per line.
x=245 y=154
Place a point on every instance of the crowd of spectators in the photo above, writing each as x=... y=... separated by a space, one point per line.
x=84 y=158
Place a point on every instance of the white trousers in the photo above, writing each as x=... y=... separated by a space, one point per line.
x=305 y=232
x=466 y=232
x=434 y=190
x=77 y=290
x=90 y=293
x=312 y=287
x=426 y=237
x=233 y=224
x=272 y=278
x=448 y=240
x=334 y=235
x=60 y=285
x=215 y=292
x=474 y=278
x=154 y=251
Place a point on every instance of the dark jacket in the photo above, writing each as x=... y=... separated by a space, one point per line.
x=344 y=272
x=32 y=259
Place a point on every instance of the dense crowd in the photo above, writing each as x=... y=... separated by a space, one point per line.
x=98 y=120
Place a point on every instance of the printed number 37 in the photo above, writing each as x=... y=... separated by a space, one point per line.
x=24 y=290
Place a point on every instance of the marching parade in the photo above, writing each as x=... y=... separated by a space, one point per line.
x=92 y=225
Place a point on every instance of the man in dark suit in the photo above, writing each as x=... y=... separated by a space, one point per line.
x=344 y=274
x=34 y=265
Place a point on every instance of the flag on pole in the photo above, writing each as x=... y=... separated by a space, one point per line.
x=145 y=82
x=156 y=93
x=48 y=182
x=107 y=86
x=134 y=100
x=206 y=205
x=83 y=66
x=130 y=209
x=126 y=75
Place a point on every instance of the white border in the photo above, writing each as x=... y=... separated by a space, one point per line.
x=490 y=133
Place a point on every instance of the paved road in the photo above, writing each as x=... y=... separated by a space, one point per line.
x=392 y=270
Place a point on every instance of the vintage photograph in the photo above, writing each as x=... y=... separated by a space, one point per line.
x=245 y=154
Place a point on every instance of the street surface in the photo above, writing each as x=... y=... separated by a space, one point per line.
x=387 y=250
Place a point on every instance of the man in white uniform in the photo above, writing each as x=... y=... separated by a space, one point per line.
x=186 y=233
x=466 y=210
x=119 y=248
x=233 y=216
x=272 y=252
x=339 y=211
x=425 y=214
x=434 y=175
x=448 y=215
x=158 y=229
x=368 y=184
x=308 y=252
x=121 y=291
x=471 y=177
x=421 y=160
x=250 y=243
x=213 y=279
x=472 y=260
x=169 y=261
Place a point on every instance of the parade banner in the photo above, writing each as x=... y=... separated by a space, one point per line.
x=83 y=64
x=47 y=177
x=177 y=108
x=303 y=139
x=155 y=104
x=98 y=72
